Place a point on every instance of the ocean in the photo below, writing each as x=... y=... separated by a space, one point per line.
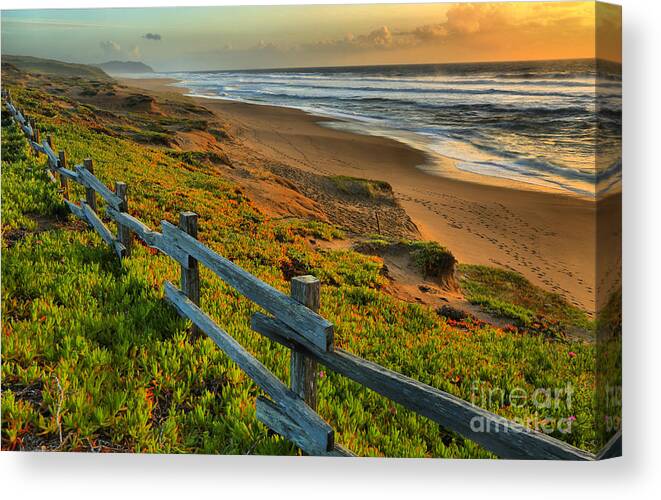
x=550 y=124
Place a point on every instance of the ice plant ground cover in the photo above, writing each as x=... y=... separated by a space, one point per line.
x=94 y=359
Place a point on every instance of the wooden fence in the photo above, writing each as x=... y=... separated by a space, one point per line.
x=293 y=322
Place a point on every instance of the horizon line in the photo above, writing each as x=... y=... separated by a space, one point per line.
x=283 y=68
x=273 y=68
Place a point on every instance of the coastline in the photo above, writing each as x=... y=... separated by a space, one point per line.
x=431 y=163
x=546 y=236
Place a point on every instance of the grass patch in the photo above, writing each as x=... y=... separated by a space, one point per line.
x=220 y=135
x=152 y=137
x=375 y=245
x=52 y=67
x=25 y=191
x=200 y=158
x=355 y=186
x=287 y=230
x=431 y=258
x=510 y=295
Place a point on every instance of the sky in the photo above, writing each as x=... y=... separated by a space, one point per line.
x=241 y=37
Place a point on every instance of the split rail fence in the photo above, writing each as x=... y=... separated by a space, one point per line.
x=294 y=322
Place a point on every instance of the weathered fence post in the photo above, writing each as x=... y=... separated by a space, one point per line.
x=190 y=278
x=32 y=138
x=62 y=163
x=34 y=129
x=303 y=370
x=123 y=232
x=36 y=135
x=90 y=194
x=49 y=140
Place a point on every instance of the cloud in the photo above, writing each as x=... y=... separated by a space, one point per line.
x=463 y=31
x=380 y=38
x=152 y=36
x=469 y=19
x=429 y=32
x=466 y=21
x=110 y=47
x=461 y=22
x=114 y=49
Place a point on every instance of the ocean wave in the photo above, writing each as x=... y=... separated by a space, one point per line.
x=434 y=91
x=422 y=81
x=476 y=107
x=534 y=122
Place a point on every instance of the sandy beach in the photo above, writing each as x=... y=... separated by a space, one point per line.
x=548 y=237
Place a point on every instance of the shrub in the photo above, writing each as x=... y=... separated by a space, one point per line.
x=434 y=261
x=355 y=186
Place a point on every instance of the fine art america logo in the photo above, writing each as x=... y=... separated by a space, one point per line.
x=547 y=401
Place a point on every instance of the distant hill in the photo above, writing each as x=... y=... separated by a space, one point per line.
x=119 y=67
x=52 y=67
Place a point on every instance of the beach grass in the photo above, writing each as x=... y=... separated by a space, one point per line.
x=94 y=359
x=53 y=67
x=508 y=294
x=431 y=258
x=356 y=186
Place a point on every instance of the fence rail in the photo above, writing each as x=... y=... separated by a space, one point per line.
x=295 y=323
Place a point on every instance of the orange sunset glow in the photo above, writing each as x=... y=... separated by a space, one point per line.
x=318 y=35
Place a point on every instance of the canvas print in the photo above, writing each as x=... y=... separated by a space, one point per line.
x=330 y=230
